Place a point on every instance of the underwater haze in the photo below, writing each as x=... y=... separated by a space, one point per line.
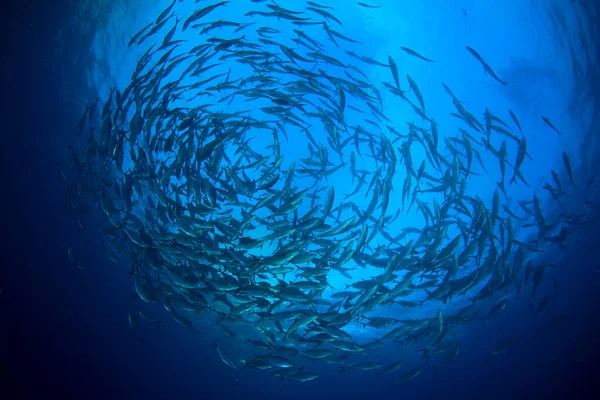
x=247 y=199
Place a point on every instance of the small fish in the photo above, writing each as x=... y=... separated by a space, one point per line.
x=502 y=346
x=133 y=322
x=149 y=318
x=567 y=164
x=416 y=91
x=392 y=367
x=367 y=5
x=408 y=376
x=590 y=181
x=415 y=54
x=224 y=356
x=199 y=14
x=394 y=69
x=486 y=67
x=520 y=158
x=515 y=120
x=547 y=121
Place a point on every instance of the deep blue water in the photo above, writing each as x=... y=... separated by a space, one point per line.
x=66 y=332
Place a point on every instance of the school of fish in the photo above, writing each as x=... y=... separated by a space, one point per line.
x=229 y=172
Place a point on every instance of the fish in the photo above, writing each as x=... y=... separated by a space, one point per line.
x=136 y=38
x=201 y=13
x=549 y=123
x=522 y=151
x=416 y=91
x=502 y=154
x=256 y=184
x=300 y=376
x=590 y=181
x=516 y=121
x=149 y=318
x=134 y=324
x=502 y=346
x=486 y=67
x=392 y=367
x=394 y=69
x=567 y=164
x=541 y=306
x=450 y=358
x=325 y=14
x=409 y=375
x=415 y=54
x=163 y=15
x=368 y=5
x=224 y=356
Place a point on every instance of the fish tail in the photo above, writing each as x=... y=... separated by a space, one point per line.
x=279 y=375
x=501 y=185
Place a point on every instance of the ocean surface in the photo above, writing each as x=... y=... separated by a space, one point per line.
x=71 y=325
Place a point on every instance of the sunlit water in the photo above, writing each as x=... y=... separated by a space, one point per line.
x=549 y=73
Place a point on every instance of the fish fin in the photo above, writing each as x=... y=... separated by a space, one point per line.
x=501 y=185
x=279 y=375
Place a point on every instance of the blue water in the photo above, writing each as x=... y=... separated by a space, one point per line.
x=67 y=333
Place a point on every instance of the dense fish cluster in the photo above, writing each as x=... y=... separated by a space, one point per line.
x=231 y=169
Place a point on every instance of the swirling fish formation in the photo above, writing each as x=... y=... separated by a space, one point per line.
x=231 y=174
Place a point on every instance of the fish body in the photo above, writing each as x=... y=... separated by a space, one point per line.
x=488 y=70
